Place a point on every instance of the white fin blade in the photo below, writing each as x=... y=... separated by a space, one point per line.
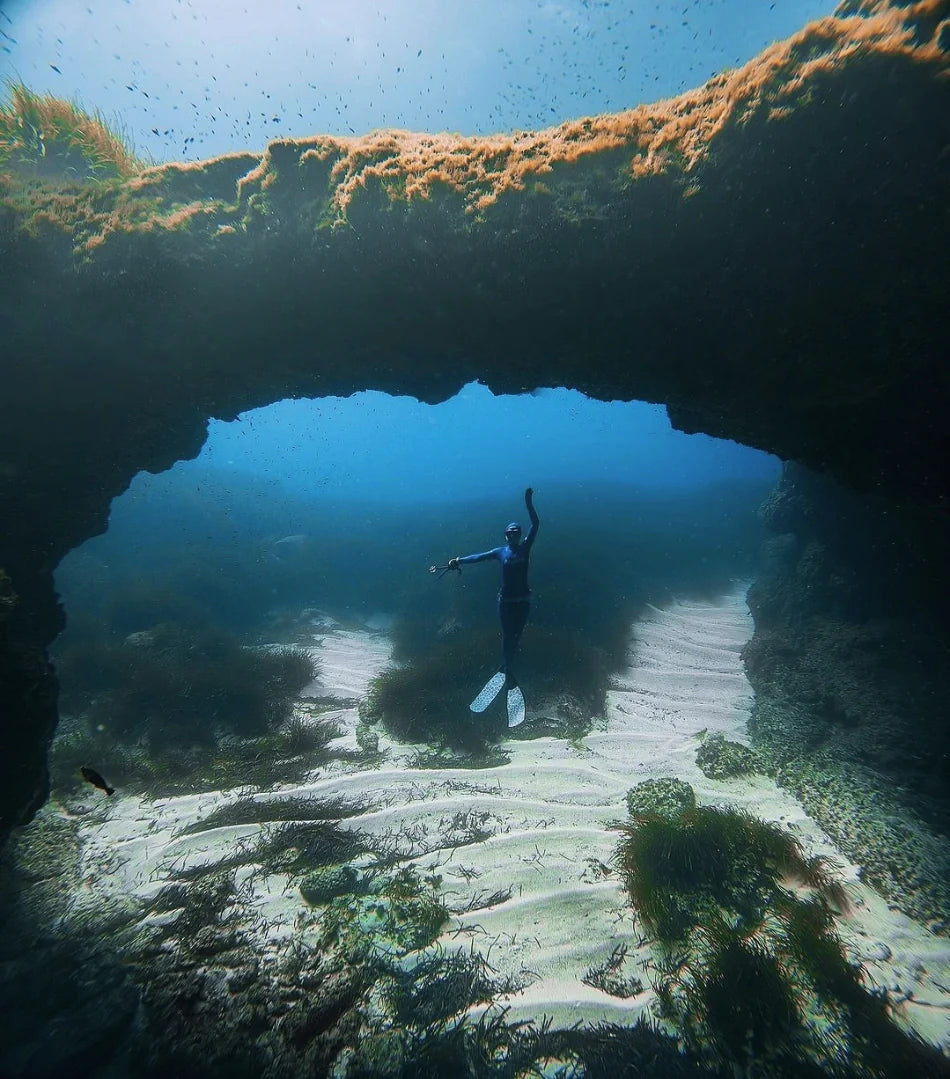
x=515 y=707
x=490 y=691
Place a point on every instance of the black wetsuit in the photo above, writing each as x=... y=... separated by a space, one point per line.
x=514 y=597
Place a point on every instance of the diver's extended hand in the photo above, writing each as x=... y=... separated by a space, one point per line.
x=453 y=563
x=528 y=495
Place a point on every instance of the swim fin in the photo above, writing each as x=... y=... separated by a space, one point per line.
x=490 y=691
x=515 y=706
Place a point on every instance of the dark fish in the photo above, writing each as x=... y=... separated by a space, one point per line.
x=90 y=775
x=56 y=69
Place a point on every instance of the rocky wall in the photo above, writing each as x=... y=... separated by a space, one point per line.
x=850 y=663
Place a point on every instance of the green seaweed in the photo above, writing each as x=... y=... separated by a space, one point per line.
x=248 y=810
x=608 y=977
x=426 y=698
x=174 y=683
x=298 y=847
x=751 y=971
x=179 y=708
x=140 y=767
x=678 y=868
x=50 y=138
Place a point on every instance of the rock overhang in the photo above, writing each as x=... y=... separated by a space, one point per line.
x=766 y=255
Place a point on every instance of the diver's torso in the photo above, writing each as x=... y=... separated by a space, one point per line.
x=514 y=573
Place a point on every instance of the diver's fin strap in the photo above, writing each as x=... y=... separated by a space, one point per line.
x=490 y=691
x=515 y=707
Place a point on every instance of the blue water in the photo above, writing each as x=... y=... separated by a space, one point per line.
x=343 y=503
x=187 y=80
x=380 y=448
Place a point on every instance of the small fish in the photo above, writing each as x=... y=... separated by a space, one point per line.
x=90 y=775
x=56 y=69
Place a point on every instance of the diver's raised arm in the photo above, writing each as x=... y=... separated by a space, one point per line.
x=535 y=520
x=529 y=503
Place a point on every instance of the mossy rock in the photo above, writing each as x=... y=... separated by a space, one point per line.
x=667 y=797
x=49 y=137
x=721 y=759
x=322 y=885
x=401 y=915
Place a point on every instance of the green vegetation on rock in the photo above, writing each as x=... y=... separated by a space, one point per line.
x=46 y=137
x=330 y=882
x=719 y=758
x=667 y=797
x=180 y=708
x=752 y=972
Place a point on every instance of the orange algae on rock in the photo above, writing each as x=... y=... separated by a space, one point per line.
x=779 y=80
x=676 y=133
x=317 y=181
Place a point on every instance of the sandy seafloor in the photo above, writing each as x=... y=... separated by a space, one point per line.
x=543 y=824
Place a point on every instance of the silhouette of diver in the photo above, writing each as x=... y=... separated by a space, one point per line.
x=514 y=603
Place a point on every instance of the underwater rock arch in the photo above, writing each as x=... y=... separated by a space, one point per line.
x=765 y=254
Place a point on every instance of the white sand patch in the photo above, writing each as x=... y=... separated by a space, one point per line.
x=348 y=661
x=524 y=850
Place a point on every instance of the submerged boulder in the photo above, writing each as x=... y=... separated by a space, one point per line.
x=719 y=758
x=668 y=797
x=330 y=882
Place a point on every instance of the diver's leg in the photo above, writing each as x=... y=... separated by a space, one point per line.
x=513 y=619
x=515 y=623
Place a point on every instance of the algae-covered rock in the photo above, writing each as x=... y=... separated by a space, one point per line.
x=669 y=797
x=381 y=1054
x=897 y=851
x=327 y=883
x=758 y=971
x=721 y=759
x=402 y=914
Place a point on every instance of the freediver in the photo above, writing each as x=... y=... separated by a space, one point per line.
x=514 y=603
